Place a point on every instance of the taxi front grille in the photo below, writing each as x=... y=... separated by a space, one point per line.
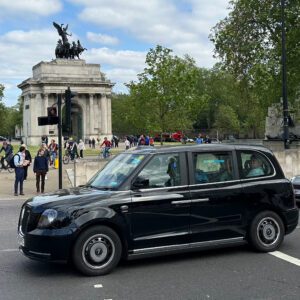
x=28 y=219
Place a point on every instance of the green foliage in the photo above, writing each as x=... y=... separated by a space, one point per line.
x=249 y=43
x=227 y=121
x=165 y=96
x=9 y=116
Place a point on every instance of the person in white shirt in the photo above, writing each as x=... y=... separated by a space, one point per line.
x=19 y=162
x=127 y=144
x=81 y=147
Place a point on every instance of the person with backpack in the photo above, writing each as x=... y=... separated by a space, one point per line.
x=29 y=159
x=40 y=168
x=19 y=163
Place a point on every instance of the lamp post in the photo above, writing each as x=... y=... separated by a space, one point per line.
x=284 y=81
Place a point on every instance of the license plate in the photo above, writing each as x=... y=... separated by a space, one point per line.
x=20 y=239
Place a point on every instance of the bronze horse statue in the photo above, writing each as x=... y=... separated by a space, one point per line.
x=63 y=48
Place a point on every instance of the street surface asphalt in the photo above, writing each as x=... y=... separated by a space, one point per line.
x=231 y=273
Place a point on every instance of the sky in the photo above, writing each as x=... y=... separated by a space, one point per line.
x=117 y=33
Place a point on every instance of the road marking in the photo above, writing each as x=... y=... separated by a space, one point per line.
x=9 y=250
x=98 y=286
x=286 y=257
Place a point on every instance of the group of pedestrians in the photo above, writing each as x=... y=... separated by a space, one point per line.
x=71 y=148
x=142 y=140
x=203 y=139
x=21 y=161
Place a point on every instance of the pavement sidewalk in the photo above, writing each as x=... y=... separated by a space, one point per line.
x=51 y=184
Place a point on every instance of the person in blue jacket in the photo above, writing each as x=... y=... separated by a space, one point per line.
x=40 y=168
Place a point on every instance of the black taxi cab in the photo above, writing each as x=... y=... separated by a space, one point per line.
x=157 y=201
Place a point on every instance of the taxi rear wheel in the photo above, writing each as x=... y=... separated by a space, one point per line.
x=266 y=232
x=97 y=251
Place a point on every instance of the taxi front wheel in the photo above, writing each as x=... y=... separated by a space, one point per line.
x=97 y=251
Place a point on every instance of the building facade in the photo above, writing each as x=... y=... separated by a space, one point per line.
x=91 y=107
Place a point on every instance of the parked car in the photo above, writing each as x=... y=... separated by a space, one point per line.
x=158 y=201
x=2 y=138
x=296 y=185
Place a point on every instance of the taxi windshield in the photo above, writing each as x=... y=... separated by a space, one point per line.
x=116 y=171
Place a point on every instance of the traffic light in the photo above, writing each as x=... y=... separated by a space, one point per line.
x=51 y=118
x=68 y=101
x=52 y=115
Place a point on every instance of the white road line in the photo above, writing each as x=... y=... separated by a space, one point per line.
x=286 y=257
x=9 y=250
x=98 y=286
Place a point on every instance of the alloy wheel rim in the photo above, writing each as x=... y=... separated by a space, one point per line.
x=268 y=231
x=98 y=251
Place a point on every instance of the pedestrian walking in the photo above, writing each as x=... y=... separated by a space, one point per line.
x=40 y=168
x=53 y=148
x=19 y=163
x=81 y=147
x=93 y=143
x=29 y=159
x=127 y=144
x=199 y=139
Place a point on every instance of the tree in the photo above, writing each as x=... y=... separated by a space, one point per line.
x=122 y=119
x=164 y=97
x=227 y=120
x=10 y=116
x=248 y=42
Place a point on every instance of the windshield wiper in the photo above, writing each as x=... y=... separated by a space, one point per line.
x=104 y=188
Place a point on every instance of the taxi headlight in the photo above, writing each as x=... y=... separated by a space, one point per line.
x=47 y=218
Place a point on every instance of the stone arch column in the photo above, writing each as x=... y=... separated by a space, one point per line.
x=91 y=110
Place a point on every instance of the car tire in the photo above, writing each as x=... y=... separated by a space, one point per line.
x=266 y=232
x=97 y=251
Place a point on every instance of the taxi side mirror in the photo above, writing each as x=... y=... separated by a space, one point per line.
x=140 y=182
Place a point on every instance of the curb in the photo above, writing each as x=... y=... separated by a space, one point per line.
x=9 y=198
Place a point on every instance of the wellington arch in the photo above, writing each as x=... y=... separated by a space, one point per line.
x=91 y=107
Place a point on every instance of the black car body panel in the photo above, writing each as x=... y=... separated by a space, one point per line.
x=166 y=218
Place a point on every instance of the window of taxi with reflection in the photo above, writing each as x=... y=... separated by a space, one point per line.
x=254 y=164
x=212 y=167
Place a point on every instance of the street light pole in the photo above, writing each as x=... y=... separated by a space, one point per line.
x=284 y=81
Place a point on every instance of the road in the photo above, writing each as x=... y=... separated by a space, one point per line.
x=232 y=273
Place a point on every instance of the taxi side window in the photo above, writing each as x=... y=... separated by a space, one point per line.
x=254 y=164
x=162 y=170
x=212 y=167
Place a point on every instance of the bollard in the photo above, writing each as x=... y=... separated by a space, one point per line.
x=56 y=163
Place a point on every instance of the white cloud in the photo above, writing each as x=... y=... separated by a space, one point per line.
x=38 y=7
x=117 y=58
x=21 y=51
x=102 y=38
x=185 y=28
